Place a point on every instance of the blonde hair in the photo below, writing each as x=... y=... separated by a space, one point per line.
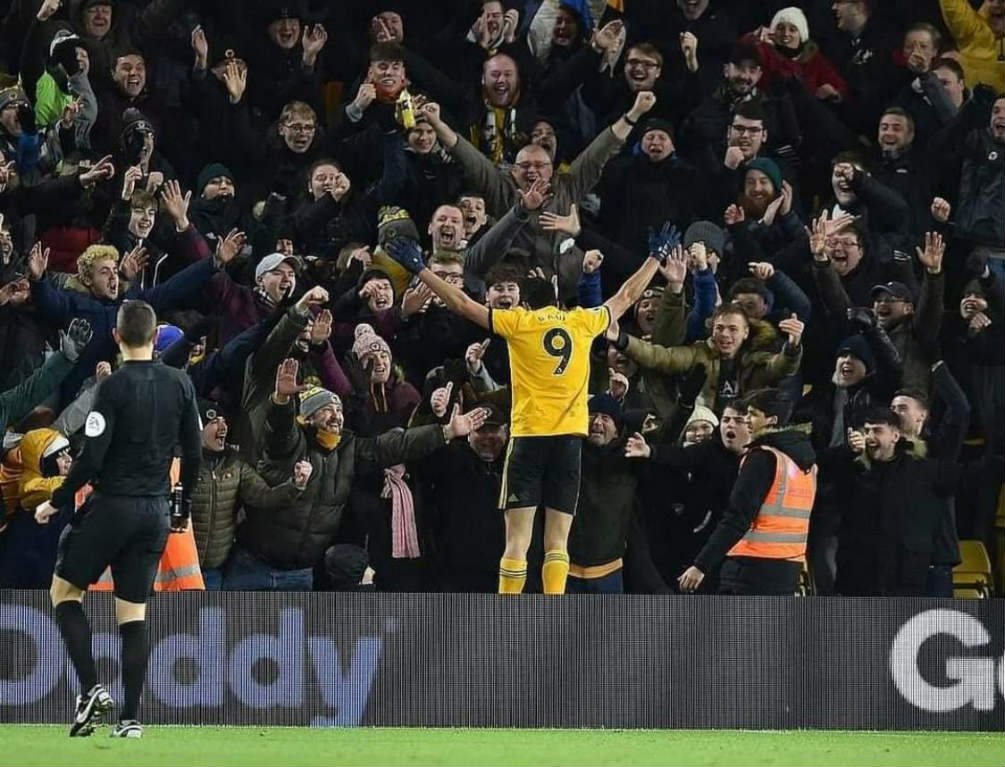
x=297 y=109
x=94 y=253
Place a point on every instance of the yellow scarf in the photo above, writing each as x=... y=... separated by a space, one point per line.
x=327 y=440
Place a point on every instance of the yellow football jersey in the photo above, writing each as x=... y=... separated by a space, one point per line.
x=549 y=360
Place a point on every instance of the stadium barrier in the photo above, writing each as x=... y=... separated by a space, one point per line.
x=479 y=660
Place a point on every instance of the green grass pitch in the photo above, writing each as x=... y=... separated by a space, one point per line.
x=294 y=746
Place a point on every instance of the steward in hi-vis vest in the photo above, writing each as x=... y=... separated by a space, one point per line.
x=763 y=534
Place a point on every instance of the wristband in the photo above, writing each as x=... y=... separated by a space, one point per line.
x=628 y=119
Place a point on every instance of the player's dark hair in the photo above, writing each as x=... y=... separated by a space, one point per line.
x=538 y=293
x=136 y=324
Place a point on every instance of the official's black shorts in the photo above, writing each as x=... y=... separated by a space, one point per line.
x=126 y=533
x=542 y=471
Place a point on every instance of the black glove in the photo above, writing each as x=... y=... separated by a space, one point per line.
x=861 y=319
x=73 y=340
x=691 y=386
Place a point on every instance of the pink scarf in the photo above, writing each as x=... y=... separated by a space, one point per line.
x=404 y=536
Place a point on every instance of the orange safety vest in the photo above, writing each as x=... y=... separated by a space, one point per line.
x=782 y=525
x=179 y=566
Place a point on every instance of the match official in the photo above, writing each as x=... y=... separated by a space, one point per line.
x=141 y=412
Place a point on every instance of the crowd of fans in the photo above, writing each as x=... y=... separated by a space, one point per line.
x=834 y=173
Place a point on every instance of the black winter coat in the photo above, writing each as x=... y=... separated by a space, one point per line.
x=298 y=536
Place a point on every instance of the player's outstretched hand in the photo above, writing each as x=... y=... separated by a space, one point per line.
x=408 y=253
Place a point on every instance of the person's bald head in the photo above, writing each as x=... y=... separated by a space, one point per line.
x=501 y=81
x=532 y=163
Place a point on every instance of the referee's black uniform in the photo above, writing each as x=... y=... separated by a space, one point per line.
x=141 y=412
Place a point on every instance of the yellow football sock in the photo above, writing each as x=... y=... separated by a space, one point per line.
x=512 y=575
x=555 y=571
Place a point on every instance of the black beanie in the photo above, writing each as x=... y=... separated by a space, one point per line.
x=859 y=348
x=211 y=171
x=605 y=403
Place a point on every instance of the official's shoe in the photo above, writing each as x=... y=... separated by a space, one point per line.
x=90 y=708
x=127 y=728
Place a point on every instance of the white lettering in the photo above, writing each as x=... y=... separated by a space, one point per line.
x=974 y=677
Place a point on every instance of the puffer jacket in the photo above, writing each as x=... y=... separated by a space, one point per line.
x=756 y=369
x=225 y=481
x=33 y=487
x=980 y=48
x=296 y=537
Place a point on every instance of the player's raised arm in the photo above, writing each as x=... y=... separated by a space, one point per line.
x=660 y=245
x=408 y=253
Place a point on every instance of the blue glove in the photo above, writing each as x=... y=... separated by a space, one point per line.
x=661 y=243
x=406 y=252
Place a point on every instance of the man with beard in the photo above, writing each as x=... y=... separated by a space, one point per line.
x=278 y=551
x=747 y=138
x=503 y=189
x=641 y=191
x=707 y=126
x=766 y=203
x=461 y=486
x=897 y=166
x=225 y=484
x=600 y=529
x=763 y=533
x=915 y=334
x=678 y=531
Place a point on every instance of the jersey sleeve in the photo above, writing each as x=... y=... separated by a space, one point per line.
x=593 y=322
x=505 y=322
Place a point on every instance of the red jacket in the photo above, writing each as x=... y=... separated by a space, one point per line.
x=811 y=67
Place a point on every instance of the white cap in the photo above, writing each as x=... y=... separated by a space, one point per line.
x=272 y=261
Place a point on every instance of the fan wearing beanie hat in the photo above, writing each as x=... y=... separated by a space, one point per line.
x=604 y=430
x=787 y=53
x=762 y=184
x=855 y=360
x=700 y=426
x=391 y=401
x=215 y=181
